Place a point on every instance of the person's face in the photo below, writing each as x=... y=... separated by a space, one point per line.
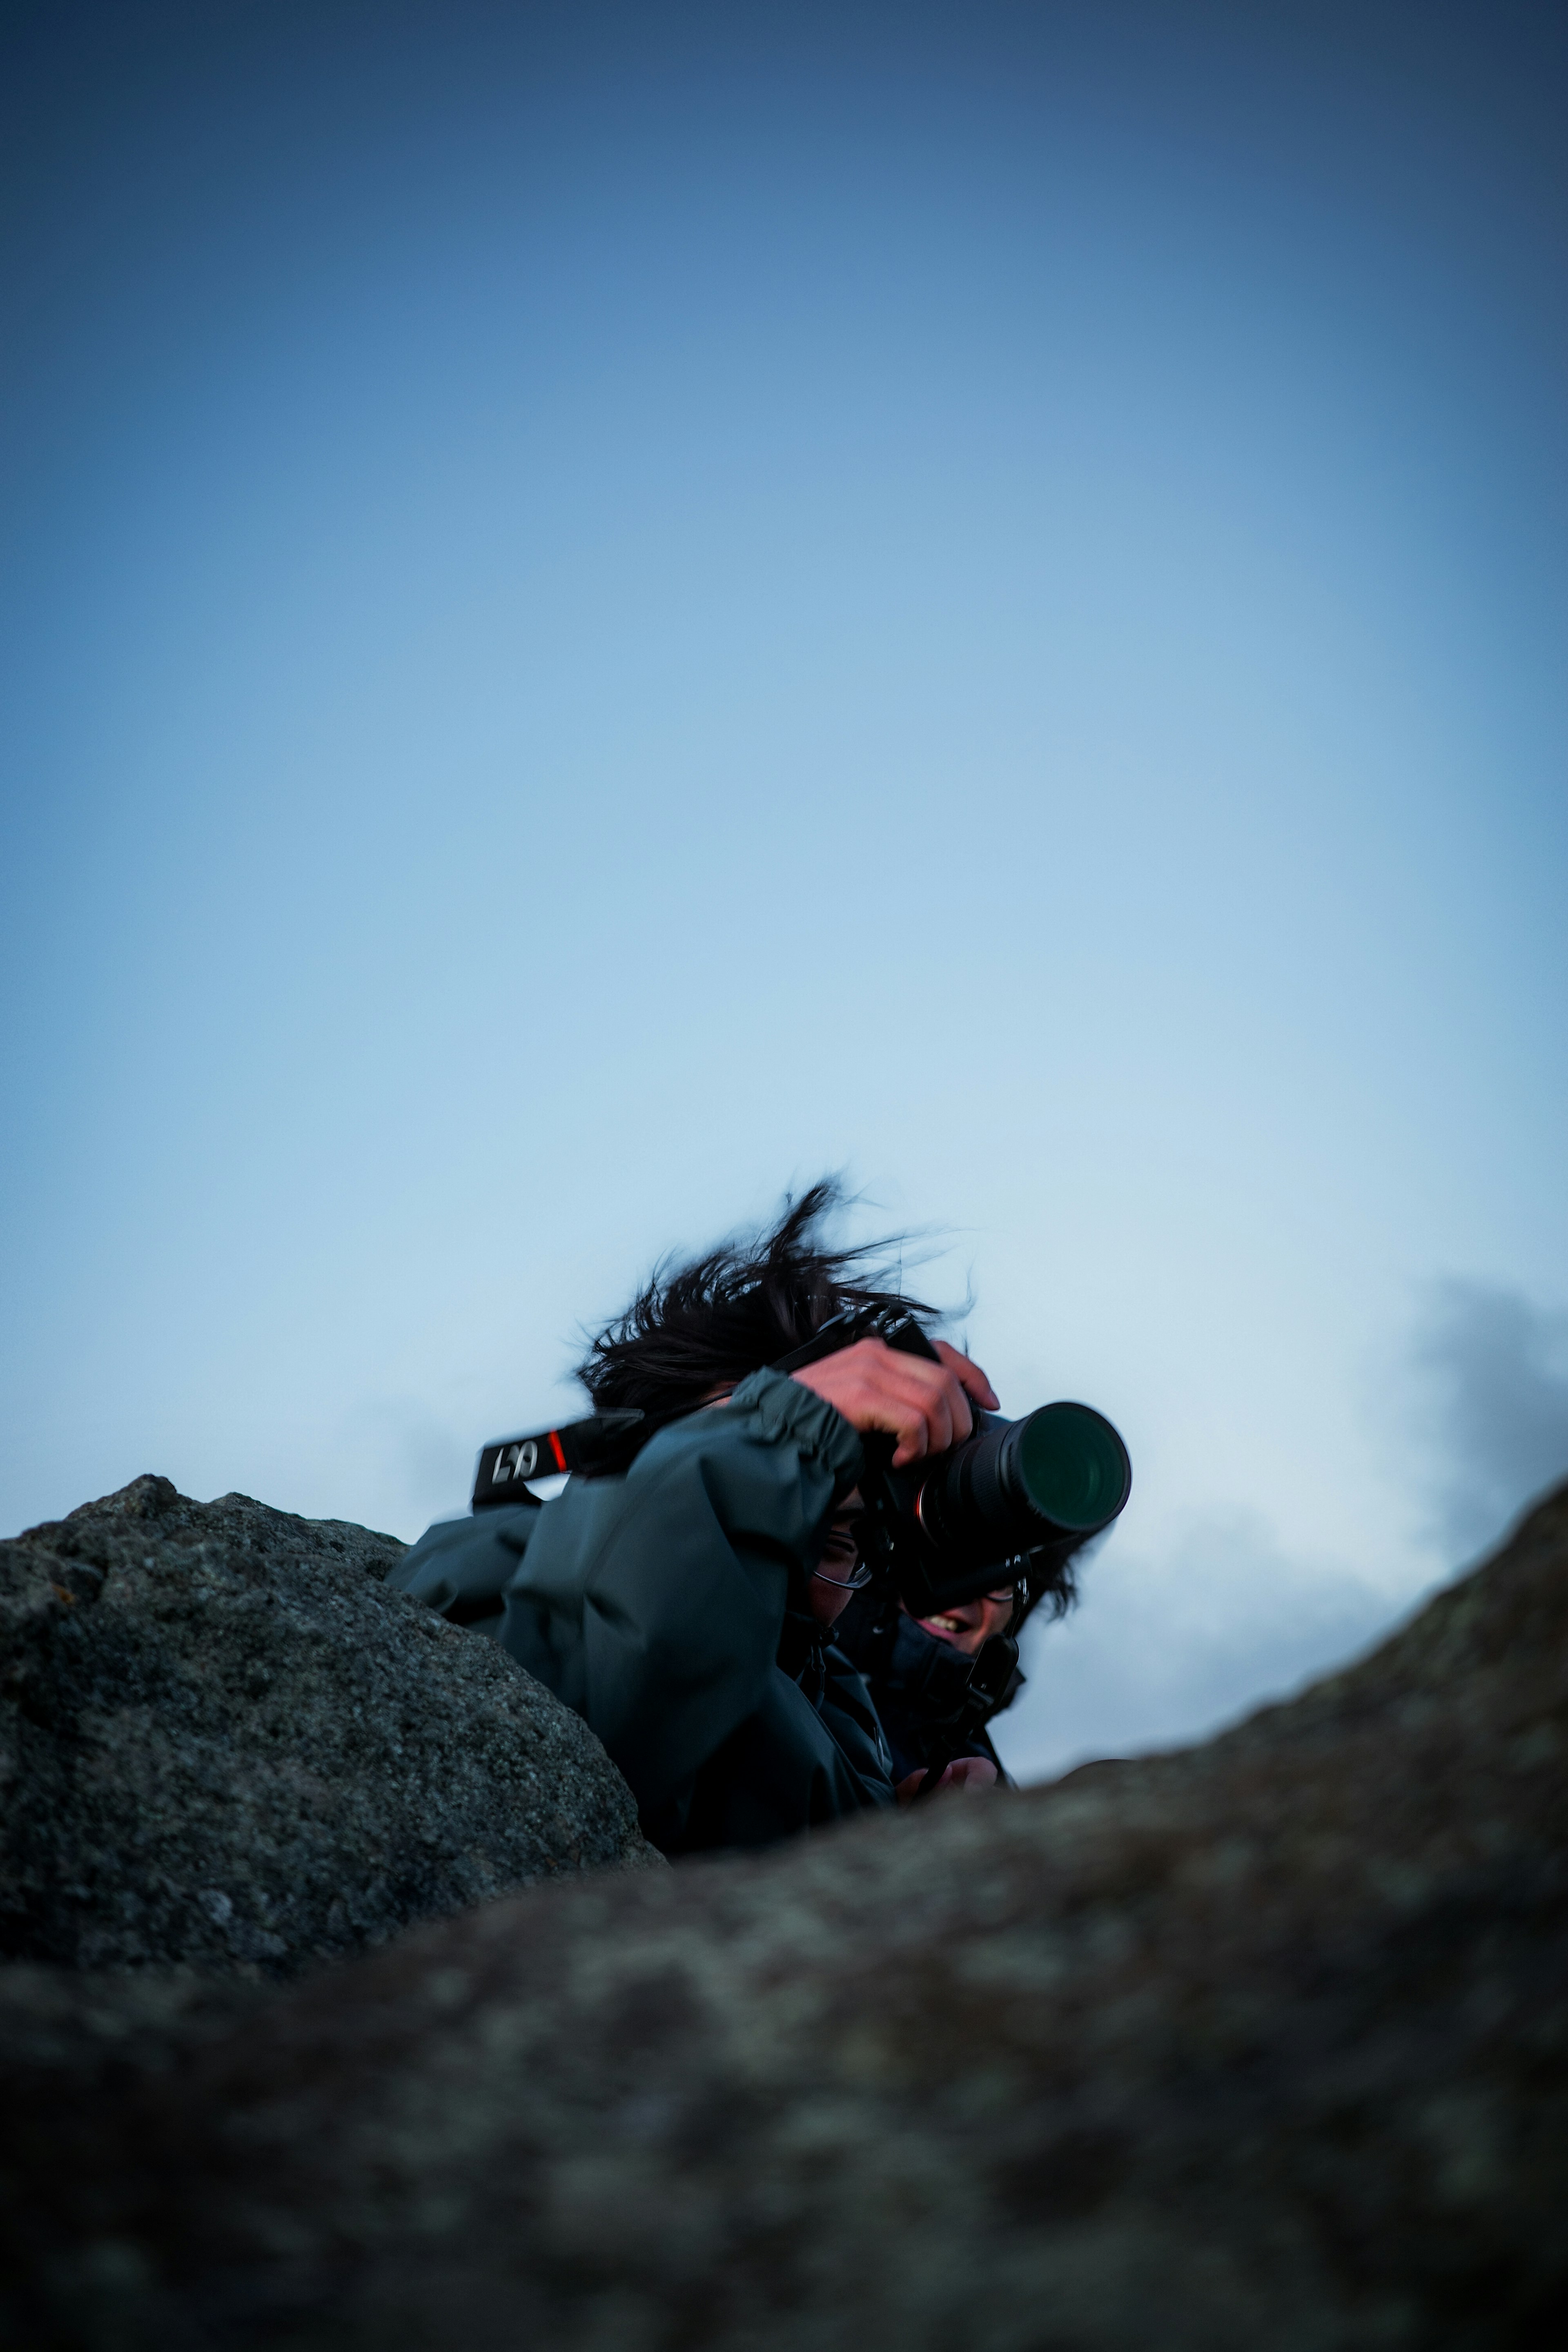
x=971 y=1622
x=831 y=1588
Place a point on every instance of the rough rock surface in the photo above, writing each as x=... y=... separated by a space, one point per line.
x=223 y=1742
x=1261 y=2045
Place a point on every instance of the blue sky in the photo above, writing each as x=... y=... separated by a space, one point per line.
x=603 y=609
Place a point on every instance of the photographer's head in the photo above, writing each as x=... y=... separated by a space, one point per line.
x=694 y=1332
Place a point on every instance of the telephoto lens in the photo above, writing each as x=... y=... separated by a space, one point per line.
x=1047 y=1483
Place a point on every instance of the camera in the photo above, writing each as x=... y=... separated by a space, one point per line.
x=1009 y=1504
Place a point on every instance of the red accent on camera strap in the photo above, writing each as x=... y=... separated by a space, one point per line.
x=555 y=1449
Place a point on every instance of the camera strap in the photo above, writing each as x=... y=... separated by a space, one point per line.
x=602 y=1442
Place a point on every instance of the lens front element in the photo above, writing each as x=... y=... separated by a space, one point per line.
x=1071 y=1466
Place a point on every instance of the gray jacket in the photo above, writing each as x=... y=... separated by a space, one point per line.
x=667 y=1606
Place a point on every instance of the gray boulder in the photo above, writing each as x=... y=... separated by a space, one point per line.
x=1261 y=2045
x=224 y=1743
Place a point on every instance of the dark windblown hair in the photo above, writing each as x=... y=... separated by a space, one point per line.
x=705 y=1325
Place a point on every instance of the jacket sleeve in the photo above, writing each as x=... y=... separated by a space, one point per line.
x=462 y=1567
x=677 y=1575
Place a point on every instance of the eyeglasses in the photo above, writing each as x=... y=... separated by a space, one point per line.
x=842 y=1551
x=842 y=1548
x=856 y=1583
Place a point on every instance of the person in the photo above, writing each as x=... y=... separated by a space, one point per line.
x=920 y=1672
x=684 y=1606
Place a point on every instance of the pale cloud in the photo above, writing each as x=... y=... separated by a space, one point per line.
x=1163 y=1649
x=1490 y=1407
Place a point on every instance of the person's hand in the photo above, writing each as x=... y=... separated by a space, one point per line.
x=924 y=1405
x=964 y=1772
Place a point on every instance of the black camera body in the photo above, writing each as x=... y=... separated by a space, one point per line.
x=1002 y=1511
x=1007 y=1505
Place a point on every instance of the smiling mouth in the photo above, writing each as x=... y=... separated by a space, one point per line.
x=946 y=1628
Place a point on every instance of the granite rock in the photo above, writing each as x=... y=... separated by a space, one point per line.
x=224 y=1743
x=1261 y=2043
